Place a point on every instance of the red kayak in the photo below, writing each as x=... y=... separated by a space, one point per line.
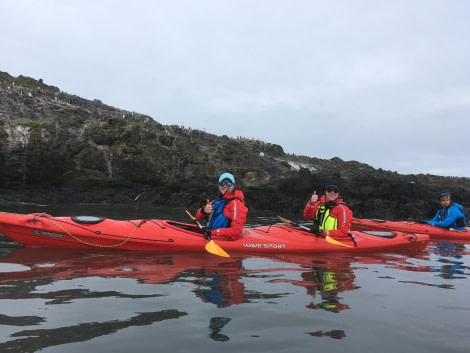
x=43 y=230
x=360 y=224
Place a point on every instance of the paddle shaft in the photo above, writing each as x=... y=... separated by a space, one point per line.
x=208 y=236
x=211 y=246
x=301 y=226
x=328 y=238
x=295 y=224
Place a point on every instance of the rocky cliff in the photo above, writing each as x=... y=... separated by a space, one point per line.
x=57 y=148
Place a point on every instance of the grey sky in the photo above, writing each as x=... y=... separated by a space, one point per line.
x=383 y=82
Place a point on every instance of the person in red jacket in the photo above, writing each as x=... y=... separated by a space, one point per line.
x=225 y=215
x=329 y=213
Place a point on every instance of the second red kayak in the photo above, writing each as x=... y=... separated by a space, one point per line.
x=360 y=224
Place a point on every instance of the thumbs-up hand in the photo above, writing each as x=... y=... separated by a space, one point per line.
x=208 y=207
x=314 y=197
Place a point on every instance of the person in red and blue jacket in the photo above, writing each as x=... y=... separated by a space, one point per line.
x=225 y=215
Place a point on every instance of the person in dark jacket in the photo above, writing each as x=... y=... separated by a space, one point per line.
x=329 y=213
x=226 y=214
x=449 y=215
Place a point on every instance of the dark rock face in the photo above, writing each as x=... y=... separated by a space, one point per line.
x=57 y=148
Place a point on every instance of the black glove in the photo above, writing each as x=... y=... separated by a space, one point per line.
x=206 y=232
x=315 y=230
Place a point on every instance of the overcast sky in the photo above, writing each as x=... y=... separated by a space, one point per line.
x=383 y=82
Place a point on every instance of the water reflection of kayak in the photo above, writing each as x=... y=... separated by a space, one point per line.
x=58 y=264
x=217 y=280
x=161 y=267
x=42 y=230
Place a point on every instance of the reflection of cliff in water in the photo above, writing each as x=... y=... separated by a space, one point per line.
x=39 y=339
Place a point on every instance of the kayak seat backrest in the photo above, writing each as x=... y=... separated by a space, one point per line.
x=381 y=234
x=87 y=219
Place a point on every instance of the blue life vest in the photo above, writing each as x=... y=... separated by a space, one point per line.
x=217 y=219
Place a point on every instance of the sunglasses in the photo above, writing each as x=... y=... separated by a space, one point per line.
x=226 y=183
x=332 y=189
x=442 y=194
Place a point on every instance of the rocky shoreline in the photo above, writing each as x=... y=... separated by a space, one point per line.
x=57 y=148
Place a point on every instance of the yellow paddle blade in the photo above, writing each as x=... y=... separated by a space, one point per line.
x=213 y=248
x=336 y=242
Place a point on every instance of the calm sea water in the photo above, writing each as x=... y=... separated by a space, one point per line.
x=94 y=300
